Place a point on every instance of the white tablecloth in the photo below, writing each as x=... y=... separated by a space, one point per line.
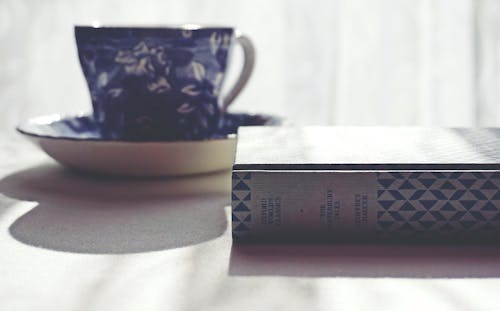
x=75 y=242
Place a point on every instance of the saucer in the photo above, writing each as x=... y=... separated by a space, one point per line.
x=75 y=142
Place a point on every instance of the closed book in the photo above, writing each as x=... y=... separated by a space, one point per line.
x=366 y=183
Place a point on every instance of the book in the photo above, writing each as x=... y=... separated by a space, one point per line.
x=366 y=183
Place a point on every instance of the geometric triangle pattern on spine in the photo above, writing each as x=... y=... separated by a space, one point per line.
x=241 y=221
x=437 y=204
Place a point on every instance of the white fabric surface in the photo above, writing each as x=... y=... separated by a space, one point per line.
x=349 y=62
x=391 y=62
x=71 y=242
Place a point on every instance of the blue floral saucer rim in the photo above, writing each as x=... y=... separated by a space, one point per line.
x=82 y=127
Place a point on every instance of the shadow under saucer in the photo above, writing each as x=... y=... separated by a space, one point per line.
x=100 y=215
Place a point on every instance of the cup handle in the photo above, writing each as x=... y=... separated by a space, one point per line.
x=246 y=71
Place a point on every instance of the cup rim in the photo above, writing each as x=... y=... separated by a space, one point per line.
x=187 y=26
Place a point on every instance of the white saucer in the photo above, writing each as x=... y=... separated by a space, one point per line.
x=75 y=142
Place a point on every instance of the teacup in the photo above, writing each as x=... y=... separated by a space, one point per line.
x=160 y=83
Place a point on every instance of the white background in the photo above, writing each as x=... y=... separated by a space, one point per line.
x=349 y=62
x=70 y=243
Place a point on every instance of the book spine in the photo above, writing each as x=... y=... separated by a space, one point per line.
x=369 y=205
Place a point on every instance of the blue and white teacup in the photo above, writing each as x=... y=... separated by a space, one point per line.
x=160 y=83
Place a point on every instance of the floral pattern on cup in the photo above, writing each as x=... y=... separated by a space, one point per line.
x=155 y=83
